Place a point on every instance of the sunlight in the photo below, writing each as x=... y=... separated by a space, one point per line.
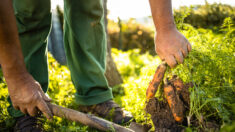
x=126 y=9
x=54 y=3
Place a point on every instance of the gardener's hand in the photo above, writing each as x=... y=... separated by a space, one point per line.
x=172 y=46
x=27 y=95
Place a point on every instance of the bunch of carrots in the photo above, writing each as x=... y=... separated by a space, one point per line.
x=172 y=90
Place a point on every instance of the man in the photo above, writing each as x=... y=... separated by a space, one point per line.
x=23 y=55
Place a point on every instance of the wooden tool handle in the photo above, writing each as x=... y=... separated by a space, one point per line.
x=86 y=119
x=157 y=79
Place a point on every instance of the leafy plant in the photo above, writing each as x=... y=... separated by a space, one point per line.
x=208 y=15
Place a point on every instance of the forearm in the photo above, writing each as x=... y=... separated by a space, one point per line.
x=162 y=14
x=11 y=58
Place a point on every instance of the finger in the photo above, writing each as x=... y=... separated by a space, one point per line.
x=189 y=47
x=184 y=51
x=42 y=106
x=32 y=111
x=179 y=57
x=23 y=110
x=45 y=97
x=16 y=107
x=170 y=60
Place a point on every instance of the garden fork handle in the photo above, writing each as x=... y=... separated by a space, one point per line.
x=86 y=119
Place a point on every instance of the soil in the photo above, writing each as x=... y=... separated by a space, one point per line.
x=139 y=127
x=160 y=111
x=161 y=116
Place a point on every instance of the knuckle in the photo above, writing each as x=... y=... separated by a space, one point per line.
x=37 y=83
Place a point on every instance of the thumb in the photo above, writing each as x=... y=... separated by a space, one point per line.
x=44 y=96
x=43 y=107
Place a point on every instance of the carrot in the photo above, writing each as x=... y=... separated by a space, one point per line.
x=158 y=76
x=182 y=90
x=175 y=104
x=179 y=85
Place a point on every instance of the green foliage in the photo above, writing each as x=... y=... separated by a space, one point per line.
x=206 y=16
x=228 y=25
x=210 y=66
x=6 y=121
x=137 y=71
x=229 y=127
x=61 y=89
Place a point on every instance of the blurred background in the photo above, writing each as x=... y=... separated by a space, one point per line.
x=126 y=9
x=130 y=25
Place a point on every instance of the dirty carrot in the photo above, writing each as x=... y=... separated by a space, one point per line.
x=182 y=90
x=176 y=105
x=157 y=78
x=178 y=84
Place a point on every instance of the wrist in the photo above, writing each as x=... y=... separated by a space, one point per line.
x=20 y=78
x=166 y=27
x=14 y=71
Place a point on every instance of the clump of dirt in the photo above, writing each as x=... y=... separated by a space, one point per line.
x=161 y=113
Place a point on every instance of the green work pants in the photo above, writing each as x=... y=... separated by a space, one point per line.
x=84 y=40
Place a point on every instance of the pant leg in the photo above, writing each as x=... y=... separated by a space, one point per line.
x=34 y=22
x=85 y=48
